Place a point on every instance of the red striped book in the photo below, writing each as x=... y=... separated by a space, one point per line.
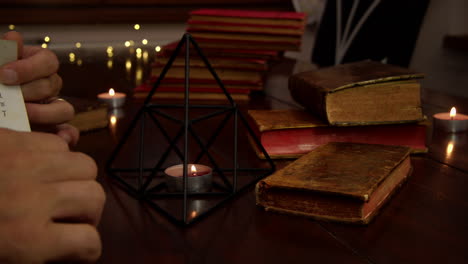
x=277 y=15
x=293 y=133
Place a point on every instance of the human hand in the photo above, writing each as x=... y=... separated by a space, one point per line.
x=50 y=202
x=36 y=72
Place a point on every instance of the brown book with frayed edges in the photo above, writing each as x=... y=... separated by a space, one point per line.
x=89 y=114
x=344 y=182
x=360 y=93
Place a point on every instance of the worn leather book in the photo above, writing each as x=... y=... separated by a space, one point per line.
x=360 y=93
x=344 y=182
x=89 y=114
x=292 y=133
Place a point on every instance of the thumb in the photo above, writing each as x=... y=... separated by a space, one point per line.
x=13 y=35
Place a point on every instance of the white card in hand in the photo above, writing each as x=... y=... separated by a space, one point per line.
x=12 y=108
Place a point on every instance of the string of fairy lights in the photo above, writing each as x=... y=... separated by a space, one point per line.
x=140 y=51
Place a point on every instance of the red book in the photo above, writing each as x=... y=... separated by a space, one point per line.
x=292 y=133
x=246 y=38
x=208 y=81
x=249 y=14
x=223 y=52
x=192 y=88
x=194 y=22
x=249 y=28
x=217 y=62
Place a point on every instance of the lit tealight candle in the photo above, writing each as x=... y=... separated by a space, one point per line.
x=112 y=99
x=199 y=178
x=452 y=122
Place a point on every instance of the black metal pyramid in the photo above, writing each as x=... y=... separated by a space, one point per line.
x=138 y=162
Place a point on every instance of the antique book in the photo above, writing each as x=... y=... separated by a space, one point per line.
x=237 y=41
x=364 y=92
x=197 y=88
x=213 y=87
x=238 y=63
x=235 y=52
x=201 y=81
x=256 y=17
x=203 y=73
x=89 y=114
x=192 y=96
x=292 y=133
x=344 y=182
x=247 y=29
x=198 y=26
x=246 y=38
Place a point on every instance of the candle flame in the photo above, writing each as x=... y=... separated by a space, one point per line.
x=453 y=112
x=113 y=119
x=449 y=149
x=111 y=92
x=193 y=170
x=193 y=214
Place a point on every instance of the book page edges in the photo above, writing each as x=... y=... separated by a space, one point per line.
x=266 y=120
x=367 y=123
x=389 y=79
x=387 y=188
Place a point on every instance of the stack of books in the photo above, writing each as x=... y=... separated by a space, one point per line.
x=246 y=29
x=239 y=44
x=361 y=102
x=361 y=122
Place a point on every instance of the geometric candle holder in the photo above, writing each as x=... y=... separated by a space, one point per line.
x=191 y=133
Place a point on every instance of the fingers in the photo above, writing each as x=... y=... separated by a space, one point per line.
x=32 y=141
x=42 y=89
x=67 y=166
x=56 y=112
x=41 y=64
x=73 y=242
x=69 y=133
x=78 y=202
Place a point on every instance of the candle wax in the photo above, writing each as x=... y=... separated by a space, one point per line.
x=446 y=116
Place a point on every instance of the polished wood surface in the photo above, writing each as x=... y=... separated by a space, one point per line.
x=425 y=222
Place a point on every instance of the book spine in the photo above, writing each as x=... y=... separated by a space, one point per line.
x=192 y=89
x=309 y=96
x=249 y=13
x=175 y=80
x=208 y=23
x=308 y=204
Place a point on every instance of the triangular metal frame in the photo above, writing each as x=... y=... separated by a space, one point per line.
x=144 y=191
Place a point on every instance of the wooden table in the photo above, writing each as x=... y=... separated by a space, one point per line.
x=425 y=222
